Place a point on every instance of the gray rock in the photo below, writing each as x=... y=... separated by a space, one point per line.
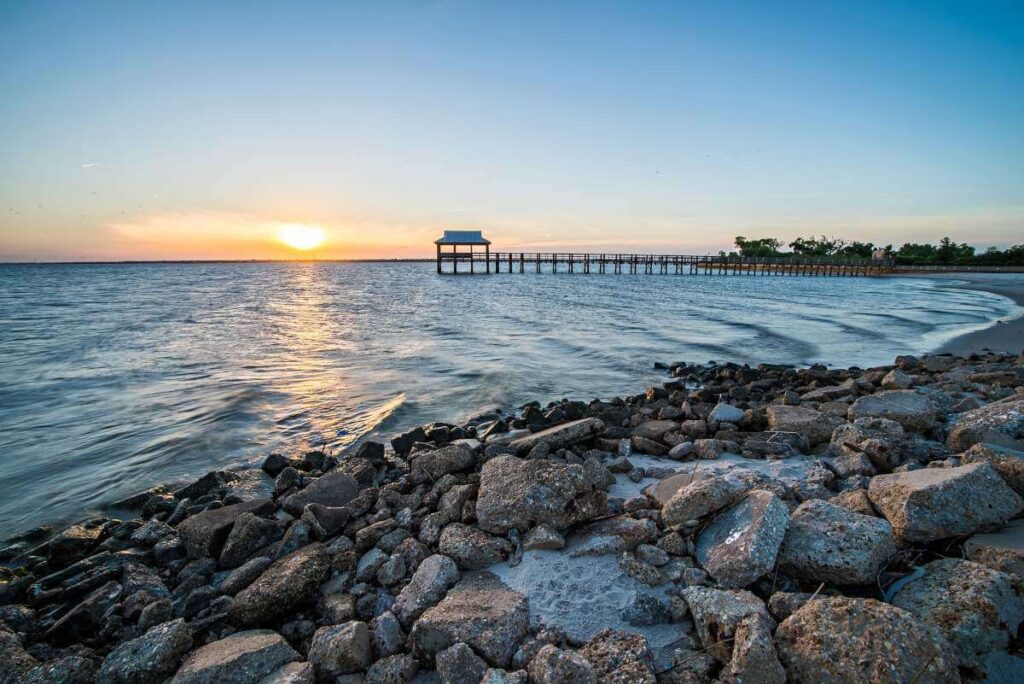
x=1009 y=463
x=325 y=521
x=977 y=608
x=386 y=634
x=561 y=435
x=72 y=545
x=430 y=466
x=519 y=494
x=205 y=533
x=717 y=613
x=151 y=532
x=1000 y=423
x=543 y=537
x=471 y=548
x=480 y=611
x=741 y=544
x=725 y=413
x=754 y=659
x=936 y=503
x=552 y=665
x=149 y=659
x=880 y=439
x=816 y=426
x=496 y=675
x=702 y=497
x=15 y=662
x=912 y=410
x=396 y=669
x=340 y=649
x=333 y=489
x=897 y=379
x=248 y=535
x=369 y=563
x=827 y=543
x=292 y=673
x=1002 y=550
x=429 y=584
x=242 y=658
x=285 y=585
x=619 y=657
x=243 y=576
x=861 y=640
x=458 y=664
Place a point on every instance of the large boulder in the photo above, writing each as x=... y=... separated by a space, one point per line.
x=977 y=608
x=1000 y=423
x=248 y=535
x=480 y=611
x=1009 y=463
x=340 y=649
x=205 y=533
x=149 y=659
x=1002 y=550
x=333 y=489
x=518 y=494
x=826 y=543
x=880 y=439
x=242 y=658
x=288 y=583
x=471 y=548
x=561 y=435
x=754 y=658
x=654 y=429
x=861 y=640
x=430 y=466
x=431 y=581
x=553 y=665
x=935 y=503
x=717 y=613
x=619 y=656
x=702 y=497
x=912 y=410
x=814 y=425
x=740 y=544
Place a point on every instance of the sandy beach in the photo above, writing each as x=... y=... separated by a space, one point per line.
x=1005 y=336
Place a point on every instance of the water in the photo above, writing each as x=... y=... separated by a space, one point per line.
x=115 y=378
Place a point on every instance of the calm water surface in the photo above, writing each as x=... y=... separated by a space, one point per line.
x=114 y=378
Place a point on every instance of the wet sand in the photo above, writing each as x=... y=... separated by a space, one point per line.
x=1005 y=336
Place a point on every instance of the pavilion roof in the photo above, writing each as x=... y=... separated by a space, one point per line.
x=462 y=237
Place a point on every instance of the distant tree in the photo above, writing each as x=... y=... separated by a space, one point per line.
x=859 y=250
x=759 y=247
x=820 y=246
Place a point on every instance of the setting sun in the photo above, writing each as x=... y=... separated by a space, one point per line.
x=299 y=236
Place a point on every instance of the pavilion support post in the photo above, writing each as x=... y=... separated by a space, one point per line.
x=438 y=259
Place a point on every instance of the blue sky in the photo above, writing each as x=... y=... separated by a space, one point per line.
x=191 y=130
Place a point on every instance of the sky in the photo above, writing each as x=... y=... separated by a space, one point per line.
x=202 y=130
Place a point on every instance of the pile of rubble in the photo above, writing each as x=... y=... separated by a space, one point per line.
x=770 y=523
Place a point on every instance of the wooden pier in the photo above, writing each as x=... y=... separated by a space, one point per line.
x=664 y=264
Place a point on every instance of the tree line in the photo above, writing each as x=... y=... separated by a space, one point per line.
x=946 y=251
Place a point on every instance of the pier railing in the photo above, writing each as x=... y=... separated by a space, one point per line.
x=571 y=262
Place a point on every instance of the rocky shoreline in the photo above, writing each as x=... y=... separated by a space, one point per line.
x=734 y=524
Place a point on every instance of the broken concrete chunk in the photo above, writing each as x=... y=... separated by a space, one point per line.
x=1000 y=423
x=561 y=435
x=827 y=543
x=480 y=611
x=741 y=544
x=978 y=609
x=861 y=640
x=517 y=494
x=911 y=409
x=241 y=658
x=936 y=503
